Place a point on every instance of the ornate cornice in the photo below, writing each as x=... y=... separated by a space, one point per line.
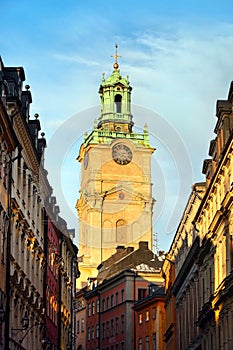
x=189 y=261
x=8 y=131
x=30 y=155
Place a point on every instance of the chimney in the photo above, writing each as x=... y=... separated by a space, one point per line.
x=130 y=249
x=120 y=248
x=143 y=245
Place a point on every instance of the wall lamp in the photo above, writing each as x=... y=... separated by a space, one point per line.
x=25 y=328
x=25 y=324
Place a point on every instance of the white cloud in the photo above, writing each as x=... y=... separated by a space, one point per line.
x=179 y=76
x=75 y=59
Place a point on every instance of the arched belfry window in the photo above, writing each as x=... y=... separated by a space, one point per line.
x=107 y=232
x=117 y=101
x=121 y=231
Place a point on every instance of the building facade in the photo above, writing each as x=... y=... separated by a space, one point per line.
x=26 y=230
x=170 y=304
x=52 y=285
x=81 y=316
x=150 y=320
x=92 y=297
x=181 y=274
x=115 y=205
x=214 y=222
x=198 y=268
x=68 y=272
x=25 y=246
x=8 y=144
x=122 y=280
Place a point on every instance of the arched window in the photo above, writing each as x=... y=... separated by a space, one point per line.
x=121 y=231
x=107 y=232
x=117 y=101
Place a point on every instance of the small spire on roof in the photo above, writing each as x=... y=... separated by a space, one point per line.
x=116 y=56
x=145 y=129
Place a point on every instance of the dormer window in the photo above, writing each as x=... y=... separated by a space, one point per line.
x=117 y=101
x=4 y=94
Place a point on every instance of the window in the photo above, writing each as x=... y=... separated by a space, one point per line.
x=107 y=306
x=147 y=343
x=154 y=313
x=103 y=304
x=203 y=290
x=140 y=344
x=141 y=293
x=112 y=300
x=78 y=327
x=97 y=331
x=116 y=346
x=93 y=308
x=122 y=346
x=154 y=342
x=112 y=328
x=117 y=101
x=140 y=318
x=211 y=281
x=117 y=298
x=117 y=325
x=121 y=231
x=107 y=329
x=89 y=309
x=103 y=330
x=122 y=323
x=93 y=332
x=82 y=325
x=122 y=295
x=97 y=306
x=89 y=333
x=147 y=315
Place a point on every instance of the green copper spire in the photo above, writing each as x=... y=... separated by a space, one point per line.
x=115 y=101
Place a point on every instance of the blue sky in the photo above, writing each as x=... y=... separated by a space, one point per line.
x=178 y=55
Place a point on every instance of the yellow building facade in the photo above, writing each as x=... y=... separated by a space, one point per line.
x=115 y=204
x=199 y=295
x=214 y=222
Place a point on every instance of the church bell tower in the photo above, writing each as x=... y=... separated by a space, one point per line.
x=115 y=205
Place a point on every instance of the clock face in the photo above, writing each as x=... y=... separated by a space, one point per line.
x=122 y=154
x=86 y=160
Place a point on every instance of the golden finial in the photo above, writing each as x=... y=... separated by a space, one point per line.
x=116 y=56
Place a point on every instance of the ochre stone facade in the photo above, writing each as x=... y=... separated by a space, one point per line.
x=115 y=205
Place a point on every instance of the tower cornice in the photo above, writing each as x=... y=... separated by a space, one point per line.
x=106 y=137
